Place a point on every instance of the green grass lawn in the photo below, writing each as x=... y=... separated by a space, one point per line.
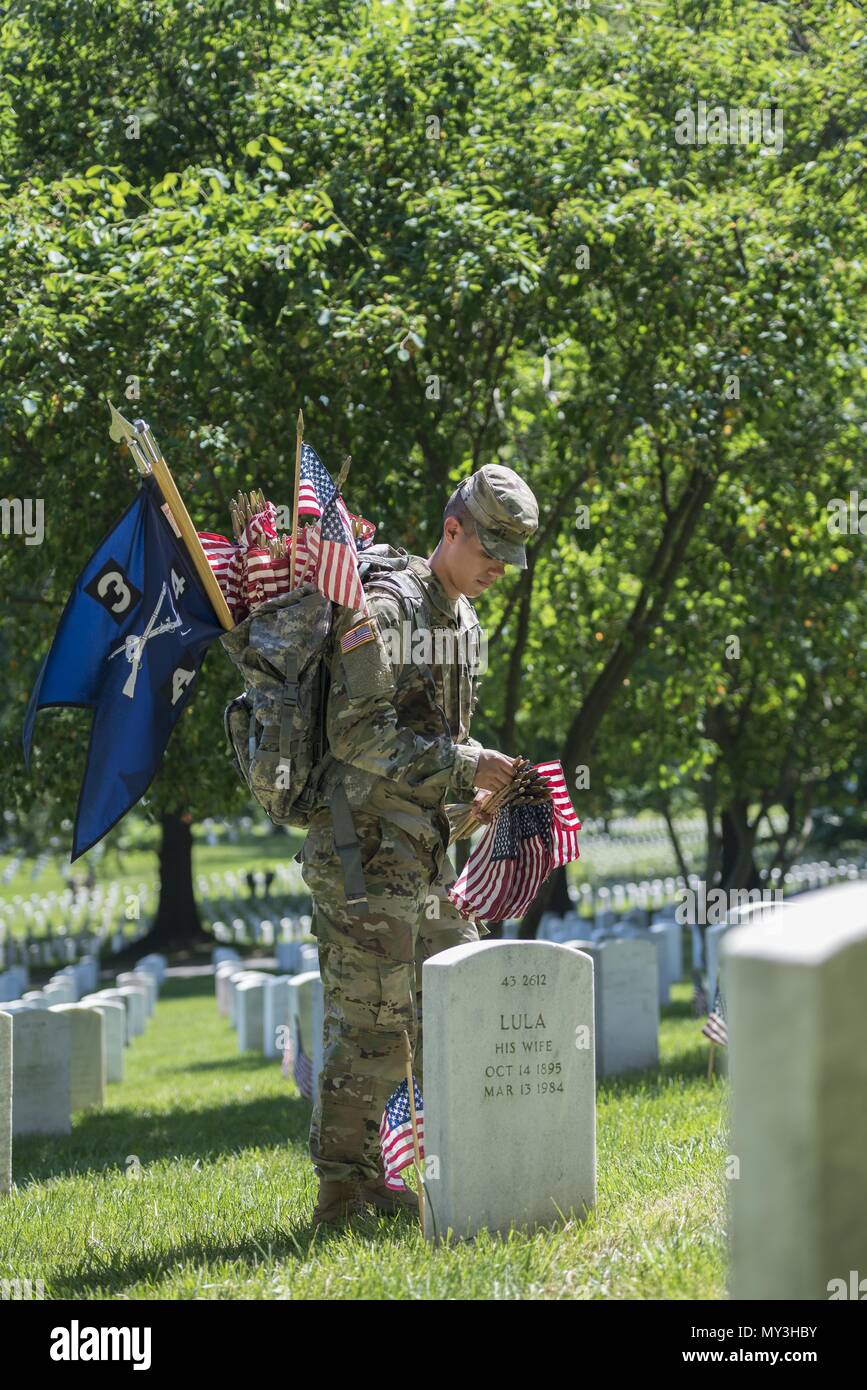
x=222 y=1203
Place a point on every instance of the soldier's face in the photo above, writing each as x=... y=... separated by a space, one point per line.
x=472 y=569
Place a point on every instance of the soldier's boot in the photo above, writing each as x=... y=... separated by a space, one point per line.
x=388 y=1199
x=338 y=1202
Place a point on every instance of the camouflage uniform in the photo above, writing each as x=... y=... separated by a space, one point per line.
x=403 y=746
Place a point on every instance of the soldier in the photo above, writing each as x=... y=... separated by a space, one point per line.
x=398 y=718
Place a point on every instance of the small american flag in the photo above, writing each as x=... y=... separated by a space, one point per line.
x=331 y=544
x=519 y=850
x=715 y=1029
x=300 y=1068
x=565 y=824
x=395 y=1133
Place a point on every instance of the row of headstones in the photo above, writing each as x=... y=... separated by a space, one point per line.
x=664 y=935
x=656 y=893
x=70 y=912
x=262 y=931
x=282 y=880
x=61 y=1045
x=51 y=949
x=267 y=1010
x=630 y=973
x=511 y=1032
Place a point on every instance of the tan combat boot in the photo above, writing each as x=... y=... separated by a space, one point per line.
x=388 y=1199
x=338 y=1202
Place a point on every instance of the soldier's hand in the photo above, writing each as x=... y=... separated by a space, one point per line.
x=483 y=816
x=494 y=770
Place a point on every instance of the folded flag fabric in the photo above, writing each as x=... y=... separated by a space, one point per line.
x=519 y=850
x=129 y=646
x=395 y=1133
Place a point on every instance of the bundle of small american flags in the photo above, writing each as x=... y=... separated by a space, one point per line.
x=255 y=568
x=522 y=846
x=297 y=1063
x=395 y=1133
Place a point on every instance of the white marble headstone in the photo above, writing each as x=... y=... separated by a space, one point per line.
x=796 y=984
x=141 y=979
x=289 y=957
x=114 y=1013
x=234 y=982
x=627 y=1004
x=306 y=1019
x=509 y=1086
x=136 y=1005
x=222 y=975
x=5 y=1102
x=87 y=1055
x=41 y=1102
x=115 y=994
x=668 y=937
x=249 y=1014
x=275 y=1014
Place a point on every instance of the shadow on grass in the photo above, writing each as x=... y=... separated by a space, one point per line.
x=244 y=1061
x=103 y=1141
x=289 y=1243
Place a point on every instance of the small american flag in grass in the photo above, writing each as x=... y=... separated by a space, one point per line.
x=715 y=1029
x=299 y=1066
x=395 y=1133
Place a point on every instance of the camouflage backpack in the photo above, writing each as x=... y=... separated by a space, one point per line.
x=276 y=728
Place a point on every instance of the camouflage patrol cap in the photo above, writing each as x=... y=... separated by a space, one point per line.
x=505 y=512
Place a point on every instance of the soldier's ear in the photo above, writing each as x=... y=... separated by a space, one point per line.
x=452 y=528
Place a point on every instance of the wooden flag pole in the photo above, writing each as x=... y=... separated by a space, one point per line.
x=415 y=1144
x=149 y=458
x=299 y=439
x=710 y=1060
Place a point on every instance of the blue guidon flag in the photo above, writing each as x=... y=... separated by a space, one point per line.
x=129 y=646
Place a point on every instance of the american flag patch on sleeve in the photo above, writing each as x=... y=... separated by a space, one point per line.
x=364 y=632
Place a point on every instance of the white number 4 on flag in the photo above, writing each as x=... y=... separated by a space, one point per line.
x=180 y=680
x=178 y=584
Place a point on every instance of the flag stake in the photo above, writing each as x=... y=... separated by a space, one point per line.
x=410 y=1086
x=145 y=450
x=299 y=438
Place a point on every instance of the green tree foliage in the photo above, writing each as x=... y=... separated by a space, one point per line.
x=457 y=234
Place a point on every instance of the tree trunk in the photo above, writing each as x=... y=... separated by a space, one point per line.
x=738 y=840
x=177 y=923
